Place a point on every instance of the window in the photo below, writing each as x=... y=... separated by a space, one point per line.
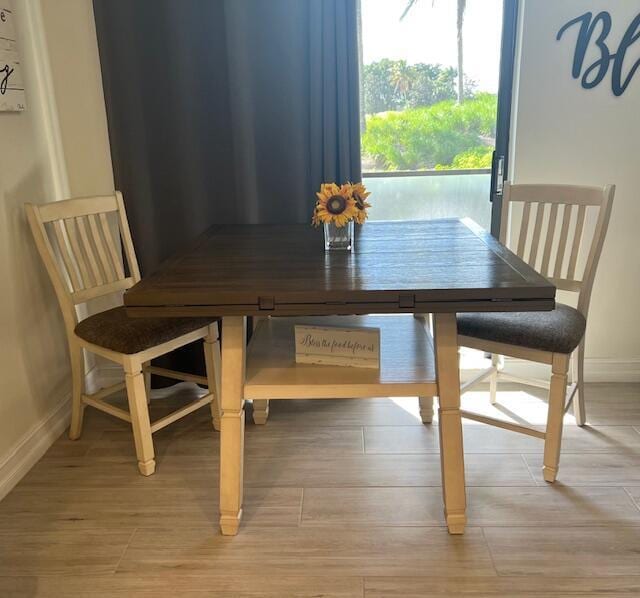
x=427 y=134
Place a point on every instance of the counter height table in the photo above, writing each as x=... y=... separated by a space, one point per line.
x=437 y=267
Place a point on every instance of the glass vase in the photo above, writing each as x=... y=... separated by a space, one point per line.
x=339 y=238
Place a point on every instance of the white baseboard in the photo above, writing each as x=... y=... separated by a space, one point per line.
x=33 y=445
x=612 y=370
x=104 y=374
x=36 y=441
x=595 y=369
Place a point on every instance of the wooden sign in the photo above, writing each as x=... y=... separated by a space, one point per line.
x=593 y=42
x=11 y=87
x=351 y=347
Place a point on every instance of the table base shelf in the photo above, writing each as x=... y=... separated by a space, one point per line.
x=407 y=363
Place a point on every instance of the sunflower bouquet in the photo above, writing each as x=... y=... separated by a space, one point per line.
x=340 y=205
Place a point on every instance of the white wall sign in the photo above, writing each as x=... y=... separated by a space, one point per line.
x=353 y=347
x=11 y=87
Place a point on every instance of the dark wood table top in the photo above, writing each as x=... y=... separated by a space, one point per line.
x=428 y=266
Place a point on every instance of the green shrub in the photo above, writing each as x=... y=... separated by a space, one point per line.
x=475 y=157
x=426 y=137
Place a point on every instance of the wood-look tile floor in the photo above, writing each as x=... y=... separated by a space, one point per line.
x=342 y=500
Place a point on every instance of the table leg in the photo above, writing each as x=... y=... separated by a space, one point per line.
x=451 y=451
x=232 y=423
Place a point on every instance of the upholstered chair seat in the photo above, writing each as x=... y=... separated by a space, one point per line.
x=113 y=329
x=557 y=331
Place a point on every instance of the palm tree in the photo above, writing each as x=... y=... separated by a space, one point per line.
x=401 y=77
x=462 y=5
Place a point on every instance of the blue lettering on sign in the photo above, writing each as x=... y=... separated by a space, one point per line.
x=593 y=74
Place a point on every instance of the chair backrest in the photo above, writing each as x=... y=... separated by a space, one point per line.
x=559 y=230
x=83 y=242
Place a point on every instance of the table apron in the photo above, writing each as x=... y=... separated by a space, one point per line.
x=338 y=309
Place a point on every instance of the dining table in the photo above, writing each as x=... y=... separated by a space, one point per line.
x=272 y=271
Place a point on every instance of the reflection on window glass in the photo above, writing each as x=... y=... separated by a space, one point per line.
x=417 y=112
x=428 y=197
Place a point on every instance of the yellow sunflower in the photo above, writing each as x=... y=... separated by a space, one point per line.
x=334 y=204
x=359 y=194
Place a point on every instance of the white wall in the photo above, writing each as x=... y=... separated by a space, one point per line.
x=75 y=65
x=566 y=134
x=57 y=147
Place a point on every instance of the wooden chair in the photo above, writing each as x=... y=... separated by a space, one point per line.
x=79 y=241
x=552 y=237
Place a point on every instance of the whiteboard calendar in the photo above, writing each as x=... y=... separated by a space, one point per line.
x=11 y=87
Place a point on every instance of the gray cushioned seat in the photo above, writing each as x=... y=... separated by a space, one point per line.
x=113 y=329
x=557 y=331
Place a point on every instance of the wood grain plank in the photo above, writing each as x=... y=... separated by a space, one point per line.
x=401 y=439
x=273 y=441
x=568 y=552
x=232 y=267
x=370 y=507
x=172 y=584
x=493 y=587
x=552 y=506
x=72 y=508
x=592 y=469
x=383 y=470
x=62 y=551
x=314 y=551
x=624 y=440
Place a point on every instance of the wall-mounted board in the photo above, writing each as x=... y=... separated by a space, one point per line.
x=11 y=87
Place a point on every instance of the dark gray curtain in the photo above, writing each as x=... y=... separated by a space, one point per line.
x=226 y=111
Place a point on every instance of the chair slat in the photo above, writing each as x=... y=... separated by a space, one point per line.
x=109 y=271
x=67 y=259
x=524 y=229
x=127 y=241
x=551 y=233
x=577 y=239
x=564 y=233
x=111 y=246
x=535 y=240
x=88 y=250
x=69 y=225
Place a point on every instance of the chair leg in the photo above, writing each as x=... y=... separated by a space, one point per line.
x=553 y=435
x=426 y=409
x=579 y=410
x=212 y=361
x=493 y=379
x=147 y=381
x=77 y=383
x=260 y=411
x=140 y=423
